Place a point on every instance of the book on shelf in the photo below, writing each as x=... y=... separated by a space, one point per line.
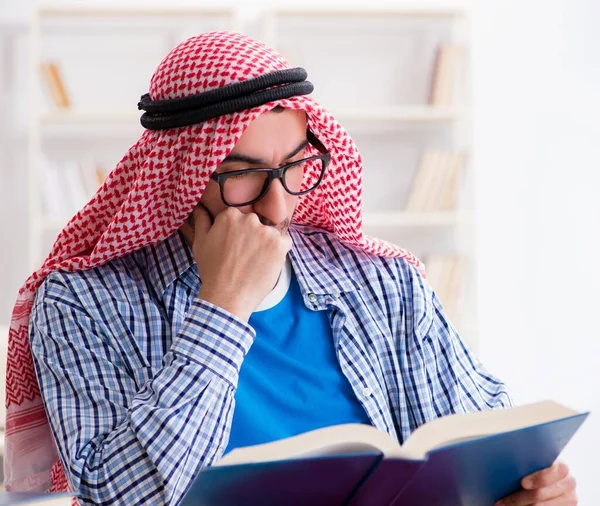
x=445 y=274
x=422 y=180
x=456 y=284
x=446 y=72
x=438 y=175
x=435 y=184
x=92 y=175
x=36 y=499
x=449 y=193
x=55 y=85
x=461 y=459
x=101 y=175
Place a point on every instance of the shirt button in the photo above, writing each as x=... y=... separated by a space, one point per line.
x=367 y=392
x=312 y=297
x=336 y=295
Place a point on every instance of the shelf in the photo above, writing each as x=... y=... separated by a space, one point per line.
x=407 y=219
x=130 y=10
x=373 y=10
x=407 y=113
x=74 y=117
x=92 y=124
x=416 y=113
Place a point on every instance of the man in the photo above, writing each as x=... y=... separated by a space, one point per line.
x=218 y=292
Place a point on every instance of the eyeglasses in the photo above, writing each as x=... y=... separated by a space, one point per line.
x=247 y=186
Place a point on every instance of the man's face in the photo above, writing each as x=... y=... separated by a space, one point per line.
x=272 y=140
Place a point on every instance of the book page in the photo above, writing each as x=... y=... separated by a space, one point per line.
x=340 y=439
x=460 y=427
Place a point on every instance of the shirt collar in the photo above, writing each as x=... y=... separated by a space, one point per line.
x=320 y=262
x=169 y=260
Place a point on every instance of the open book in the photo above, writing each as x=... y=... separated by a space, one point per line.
x=474 y=458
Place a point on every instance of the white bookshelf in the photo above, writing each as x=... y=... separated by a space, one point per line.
x=388 y=52
x=391 y=52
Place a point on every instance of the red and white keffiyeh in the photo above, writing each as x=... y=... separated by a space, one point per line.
x=149 y=195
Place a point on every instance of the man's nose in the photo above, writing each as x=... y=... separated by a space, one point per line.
x=273 y=206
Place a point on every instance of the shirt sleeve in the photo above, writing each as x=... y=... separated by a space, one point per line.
x=125 y=444
x=447 y=376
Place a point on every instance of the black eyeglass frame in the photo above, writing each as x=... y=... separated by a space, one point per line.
x=278 y=173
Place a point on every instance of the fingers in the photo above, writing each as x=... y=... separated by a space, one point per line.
x=564 y=500
x=561 y=492
x=556 y=472
x=197 y=224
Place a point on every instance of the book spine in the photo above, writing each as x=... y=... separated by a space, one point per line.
x=456 y=166
x=446 y=71
x=55 y=85
x=438 y=183
x=64 y=102
x=422 y=182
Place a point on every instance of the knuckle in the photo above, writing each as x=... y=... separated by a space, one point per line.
x=222 y=216
x=563 y=469
x=250 y=220
x=230 y=212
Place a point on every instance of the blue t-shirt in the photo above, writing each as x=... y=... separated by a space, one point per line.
x=290 y=381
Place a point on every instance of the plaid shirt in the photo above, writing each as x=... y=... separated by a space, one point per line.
x=138 y=375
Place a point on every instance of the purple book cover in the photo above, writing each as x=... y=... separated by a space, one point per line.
x=468 y=473
x=385 y=483
x=480 y=471
x=321 y=481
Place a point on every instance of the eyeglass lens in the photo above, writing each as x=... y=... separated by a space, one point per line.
x=248 y=186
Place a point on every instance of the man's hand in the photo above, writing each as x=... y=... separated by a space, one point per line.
x=239 y=259
x=549 y=487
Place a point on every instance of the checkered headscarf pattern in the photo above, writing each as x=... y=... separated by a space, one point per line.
x=148 y=196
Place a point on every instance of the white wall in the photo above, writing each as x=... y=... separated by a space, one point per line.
x=536 y=80
x=536 y=72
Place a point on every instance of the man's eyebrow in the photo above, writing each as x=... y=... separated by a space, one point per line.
x=239 y=157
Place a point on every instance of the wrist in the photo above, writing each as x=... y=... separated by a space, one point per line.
x=227 y=302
